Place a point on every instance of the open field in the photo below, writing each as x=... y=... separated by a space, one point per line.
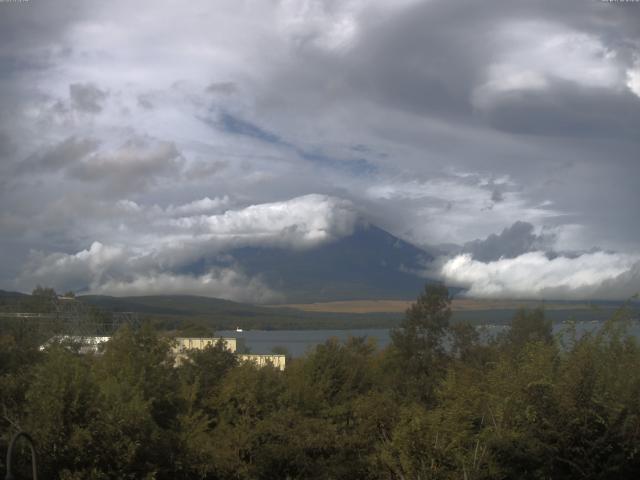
x=399 y=306
x=192 y=314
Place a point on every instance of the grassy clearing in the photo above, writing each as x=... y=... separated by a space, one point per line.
x=399 y=306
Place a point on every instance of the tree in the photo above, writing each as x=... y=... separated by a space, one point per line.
x=418 y=344
x=138 y=389
x=203 y=372
x=43 y=300
x=529 y=326
x=44 y=292
x=62 y=410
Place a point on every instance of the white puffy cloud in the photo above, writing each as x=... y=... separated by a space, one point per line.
x=633 y=79
x=202 y=206
x=71 y=271
x=327 y=25
x=535 y=275
x=300 y=222
x=117 y=270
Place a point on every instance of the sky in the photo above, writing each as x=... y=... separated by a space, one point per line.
x=137 y=137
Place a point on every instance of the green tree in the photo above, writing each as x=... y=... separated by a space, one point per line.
x=42 y=300
x=248 y=396
x=204 y=371
x=62 y=412
x=139 y=391
x=529 y=326
x=418 y=345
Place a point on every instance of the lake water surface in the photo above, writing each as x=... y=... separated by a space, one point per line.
x=299 y=342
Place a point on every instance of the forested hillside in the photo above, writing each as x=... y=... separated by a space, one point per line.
x=437 y=403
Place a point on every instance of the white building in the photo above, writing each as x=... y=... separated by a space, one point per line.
x=86 y=344
x=180 y=347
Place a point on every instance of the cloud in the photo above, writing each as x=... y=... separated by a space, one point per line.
x=6 y=144
x=512 y=242
x=86 y=97
x=111 y=270
x=59 y=156
x=219 y=283
x=224 y=88
x=134 y=261
x=300 y=222
x=443 y=209
x=411 y=111
x=76 y=271
x=134 y=165
x=633 y=79
x=539 y=53
x=534 y=275
x=145 y=102
x=202 y=206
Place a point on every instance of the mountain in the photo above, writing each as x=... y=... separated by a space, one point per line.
x=12 y=301
x=369 y=264
x=5 y=294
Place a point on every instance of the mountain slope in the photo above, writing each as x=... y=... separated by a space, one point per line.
x=370 y=263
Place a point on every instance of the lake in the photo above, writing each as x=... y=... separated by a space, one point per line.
x=299 y=342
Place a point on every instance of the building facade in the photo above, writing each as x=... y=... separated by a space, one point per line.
x=180 y=348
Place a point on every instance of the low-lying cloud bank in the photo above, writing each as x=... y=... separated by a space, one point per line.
x=123 y=271
x=301 y=222
x=536 y=275
x=217 y=282
x=177 y=243
x=185 y=249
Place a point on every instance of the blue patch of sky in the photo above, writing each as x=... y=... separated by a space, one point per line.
x=360 y=148
x=355 y=166
x=237 y=126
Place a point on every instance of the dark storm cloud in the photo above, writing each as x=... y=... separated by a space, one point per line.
x=567 y=110
x=430 y=59
x=512 y=242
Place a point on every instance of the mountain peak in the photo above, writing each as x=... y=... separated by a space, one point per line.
x=369 y=263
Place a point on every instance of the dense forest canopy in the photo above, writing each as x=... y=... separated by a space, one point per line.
x=437 y=403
